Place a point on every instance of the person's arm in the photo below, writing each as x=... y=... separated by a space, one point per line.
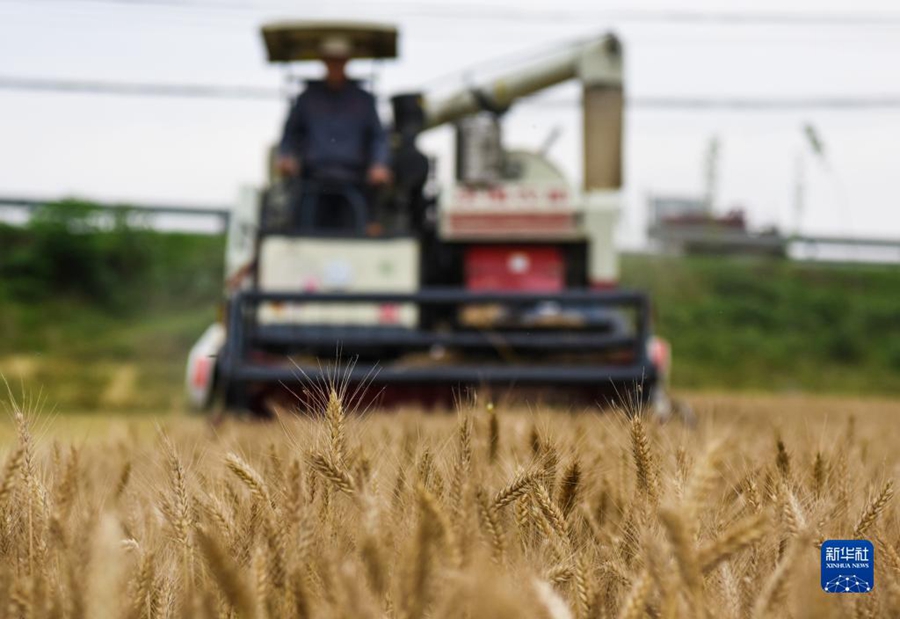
x=292 y=138
x=379 y=148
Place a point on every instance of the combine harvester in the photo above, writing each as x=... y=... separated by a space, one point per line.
x=505 y=281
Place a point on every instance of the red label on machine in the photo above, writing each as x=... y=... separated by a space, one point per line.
x=531 y=211
x=525 y=197
x=510 y=268
x=511 y=224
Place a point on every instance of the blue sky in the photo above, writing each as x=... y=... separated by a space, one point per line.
x=200 y=151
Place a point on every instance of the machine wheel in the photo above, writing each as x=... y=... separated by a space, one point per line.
x=240 y=398
x=684 y=412
x=659 y=403
x=666 y=408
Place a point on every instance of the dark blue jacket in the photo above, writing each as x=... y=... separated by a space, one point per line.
x=335 y=133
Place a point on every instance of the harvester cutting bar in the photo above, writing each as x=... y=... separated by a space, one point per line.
x=456 y=374
x=249 y=333
x=367 y=337
x=454 y=296
x=623 y=338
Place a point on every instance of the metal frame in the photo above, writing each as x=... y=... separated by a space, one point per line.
x=245 y=335
x=304 y=197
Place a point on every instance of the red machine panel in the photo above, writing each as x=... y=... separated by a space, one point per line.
x=510 y=267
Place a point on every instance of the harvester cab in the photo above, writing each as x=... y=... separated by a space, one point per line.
x=507 y=280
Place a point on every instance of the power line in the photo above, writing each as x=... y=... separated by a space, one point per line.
x=506 y=13
x=749 y=104
x=138 y=89
x=758 y=19
x=260 y=93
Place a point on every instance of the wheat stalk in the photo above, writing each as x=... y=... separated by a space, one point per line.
x=227 y=576
x=334 y=414
x=643 y=459
x=487 y=513
x=633 y=607
x=520 y=485
x=685 y=555
x=10 y=469
x=773 y=590
x=570 y=488
x=415 y=519
x=550 y=510
x=493 y=434
x=250 y=477
x=328 y=469
x=873 y=509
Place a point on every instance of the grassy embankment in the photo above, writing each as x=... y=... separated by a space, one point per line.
x=104 y=320
x=767 y=325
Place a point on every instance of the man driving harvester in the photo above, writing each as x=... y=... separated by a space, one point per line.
x=333 y=137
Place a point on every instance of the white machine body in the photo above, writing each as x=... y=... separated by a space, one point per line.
x=288 y=264
x=303 y=264
x=200 y=374
x=538 y=206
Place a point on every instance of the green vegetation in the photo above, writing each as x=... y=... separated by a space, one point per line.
x=775 y=325
x=99 y=312
x=111 y=261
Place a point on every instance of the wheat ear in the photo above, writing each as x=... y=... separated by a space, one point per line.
x=633 y=607
x=341 y=479
x=251 y=478
x=227 y=576
x=873 y=509
x=732 y=541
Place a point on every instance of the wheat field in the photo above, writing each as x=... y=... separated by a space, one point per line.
x=488 y=511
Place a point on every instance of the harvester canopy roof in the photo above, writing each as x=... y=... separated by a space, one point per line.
x=291 y=41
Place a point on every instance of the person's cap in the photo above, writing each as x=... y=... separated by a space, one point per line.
x=336 y=47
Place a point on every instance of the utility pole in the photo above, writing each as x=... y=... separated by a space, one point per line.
x=713 y=151
x=799 y=191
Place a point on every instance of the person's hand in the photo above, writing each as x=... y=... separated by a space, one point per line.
x=379 y=175
x=287 y=165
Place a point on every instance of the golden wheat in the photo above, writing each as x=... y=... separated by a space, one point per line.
x=495 y=512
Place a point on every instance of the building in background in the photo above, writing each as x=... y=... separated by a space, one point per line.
x=694 y=225
x=688 y=225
